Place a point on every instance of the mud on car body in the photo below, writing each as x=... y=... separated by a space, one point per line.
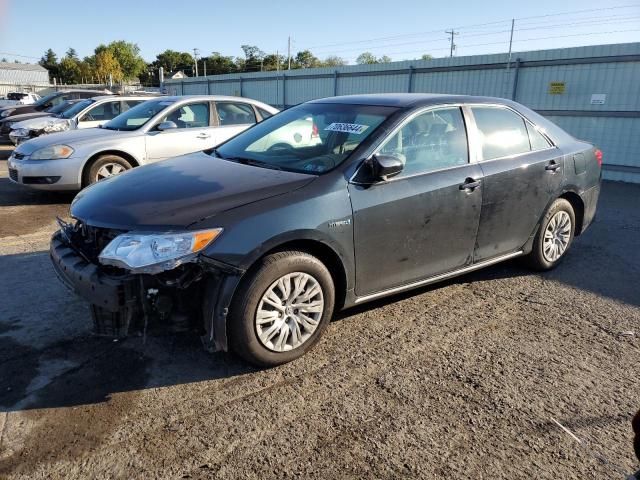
x=256 y=243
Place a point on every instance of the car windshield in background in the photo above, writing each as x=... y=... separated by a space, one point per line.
x=137 y=116
x=47 y=99
x=310 y=138
x=61 y=107
x=75 y=109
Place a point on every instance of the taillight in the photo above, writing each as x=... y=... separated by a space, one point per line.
x=314 y=131
x=598 y=154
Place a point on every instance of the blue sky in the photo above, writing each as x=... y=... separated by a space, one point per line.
x=401 y=29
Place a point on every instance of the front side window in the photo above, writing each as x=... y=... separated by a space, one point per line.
x=194 y=115
x=433 y=140
x=309 y=138
x=503 y=133
x=104 y=111
x=231 y=113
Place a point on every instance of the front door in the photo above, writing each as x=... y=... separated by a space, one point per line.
x=422 y=222
x=522 y=172
x=193 y=132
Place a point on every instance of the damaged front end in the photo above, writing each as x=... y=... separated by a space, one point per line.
x=144 y=283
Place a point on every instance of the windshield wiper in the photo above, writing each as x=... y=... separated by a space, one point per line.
x=246 y=161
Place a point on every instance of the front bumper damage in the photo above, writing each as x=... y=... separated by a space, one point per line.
x=194 y=296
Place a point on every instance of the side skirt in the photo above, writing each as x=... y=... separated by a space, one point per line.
x=438 y=278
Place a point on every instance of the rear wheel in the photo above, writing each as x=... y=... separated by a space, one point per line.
x=104 y=167
x=554 y=236
x=281 y=308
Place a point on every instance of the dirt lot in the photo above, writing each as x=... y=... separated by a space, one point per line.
x=460 y=380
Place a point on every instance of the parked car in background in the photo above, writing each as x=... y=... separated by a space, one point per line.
x=49 y=101
x=154 y=130
x=259 y=246
x=19 y=98
x=6 y=124
x=89 y=113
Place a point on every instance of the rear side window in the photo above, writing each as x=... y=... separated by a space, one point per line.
x=503 y=133
x=537 y=140
x=264 y=114
x=231 y=113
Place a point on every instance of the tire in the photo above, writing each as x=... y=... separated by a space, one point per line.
x=249 y=304
x=91 y=172
x=560 y=210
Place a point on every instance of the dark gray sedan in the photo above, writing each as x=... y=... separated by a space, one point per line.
x=258 y=242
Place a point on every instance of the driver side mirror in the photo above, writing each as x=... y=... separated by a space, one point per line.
x=386 y=166
x=166 y=126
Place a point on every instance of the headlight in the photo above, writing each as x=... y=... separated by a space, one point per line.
x=19 y=132
x=6 y=113
x=56 y=126
x=53 y=152
x=155 y=252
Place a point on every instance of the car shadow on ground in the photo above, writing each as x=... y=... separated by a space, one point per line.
x=12 y=195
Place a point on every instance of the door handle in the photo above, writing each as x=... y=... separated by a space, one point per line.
x=552 y=167
x=470 y=185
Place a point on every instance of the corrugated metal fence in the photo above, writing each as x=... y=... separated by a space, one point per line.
x=592 y=92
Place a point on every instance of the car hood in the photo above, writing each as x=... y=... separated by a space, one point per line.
x=25 y=116
x=38 y=123
x=176 y=193
x=70 y=137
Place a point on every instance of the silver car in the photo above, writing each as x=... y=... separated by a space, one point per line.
x=151 y=131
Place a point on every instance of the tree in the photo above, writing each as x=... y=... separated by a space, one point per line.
x=273 y=62
x=384 y=59
x=128 y=57
x=306 y=59
x=107 y=65
x=218 y=64
x=50 y=61
x=426 y=56
x=253 y=58
x=69 y=70
x=366 y=58
x=173 y=61
x=72 y=54
x=334 y=61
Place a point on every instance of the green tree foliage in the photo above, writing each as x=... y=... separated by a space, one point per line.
x=127 y=55
x=253 y=59
x=306 y=59
x=107 y=67
x=50 y=61
x=334 y=61
x=218 y=64
x=173 y=61
x=366 y=58
x=426 y=56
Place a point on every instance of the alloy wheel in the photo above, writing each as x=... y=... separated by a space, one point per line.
x=289 y=312
x=557 y=235
x=109 y=170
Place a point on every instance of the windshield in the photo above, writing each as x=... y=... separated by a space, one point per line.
x=61 y=107
x=310 y=138
x=137 y=116
x=75 y=109
x=47 y=99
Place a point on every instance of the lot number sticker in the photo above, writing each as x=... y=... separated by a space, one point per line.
x=347 y=128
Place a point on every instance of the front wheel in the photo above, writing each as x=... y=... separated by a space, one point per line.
x=554 y=236
x=281 y=308
x=104 y=167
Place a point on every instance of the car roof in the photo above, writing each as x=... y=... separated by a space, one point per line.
x=405 y=100
x=213 y=98
x=122 y=97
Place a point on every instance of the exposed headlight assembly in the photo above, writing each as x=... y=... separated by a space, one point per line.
x=19 y=132
x=155 y=252
x=59 y=126
x=6 y=113
x=54 y=152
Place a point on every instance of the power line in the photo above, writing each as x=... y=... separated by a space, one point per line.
x=506 y=22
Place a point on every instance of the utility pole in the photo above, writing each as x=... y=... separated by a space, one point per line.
x=196 y=52
x=277 y=61
x=289 y=53
x=452 y=32
x=513 y=21
x=205 y=68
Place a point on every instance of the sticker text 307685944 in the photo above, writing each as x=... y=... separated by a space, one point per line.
x=347 y=127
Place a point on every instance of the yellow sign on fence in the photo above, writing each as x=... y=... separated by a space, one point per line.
x=556 y=88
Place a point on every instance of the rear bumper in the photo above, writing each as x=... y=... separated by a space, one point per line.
x=590 y=201
x=84 y=278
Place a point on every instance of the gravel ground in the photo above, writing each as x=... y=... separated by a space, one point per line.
x=459 y=380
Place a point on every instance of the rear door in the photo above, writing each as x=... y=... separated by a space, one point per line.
x=194 y=132
x=422 y=222
x=232 y=118
x=522 y=172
